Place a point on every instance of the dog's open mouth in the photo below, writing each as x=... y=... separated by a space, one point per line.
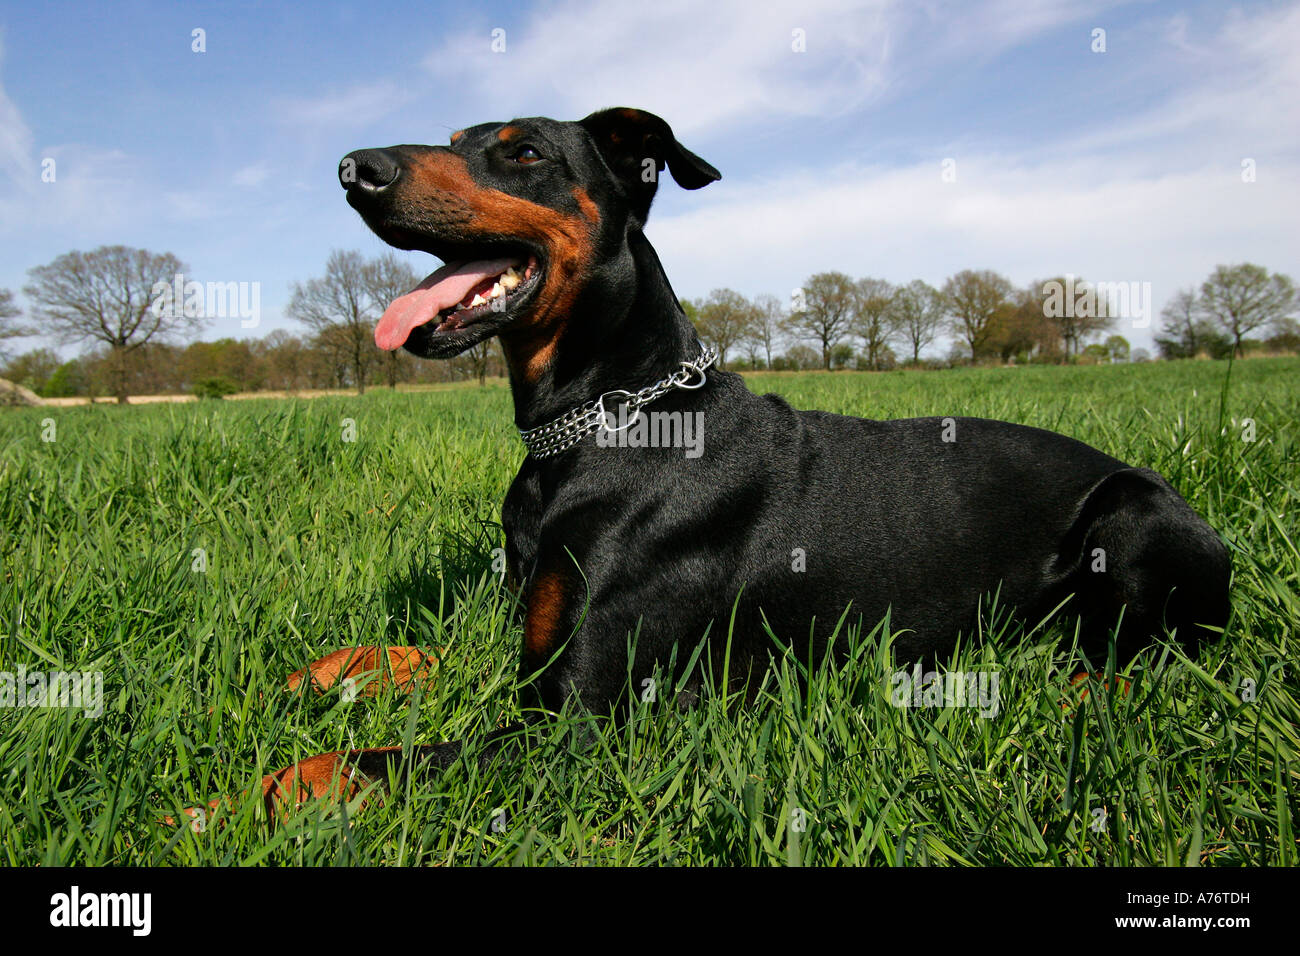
x=462 y=292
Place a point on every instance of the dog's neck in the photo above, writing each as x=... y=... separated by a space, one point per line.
x=623 y=337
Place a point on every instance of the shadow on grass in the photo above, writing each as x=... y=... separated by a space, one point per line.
x=439 y=577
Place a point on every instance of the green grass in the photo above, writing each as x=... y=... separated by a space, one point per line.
x=313 y=542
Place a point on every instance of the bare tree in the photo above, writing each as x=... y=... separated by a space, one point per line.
x=724 y=320
x=341 y=310
x=823 y=311
x=769 y=320
x=1246 y=297
x=1187 y=331
x=386 y=278
x=873 y=319
x=9 y=310
x=1180 y=326
x=119 y=296
x=1077 y=310
x=918 y=312
x=973 y=299
x=333 y=349
x=477 y=360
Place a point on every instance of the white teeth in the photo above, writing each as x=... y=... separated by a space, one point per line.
x=510 y=279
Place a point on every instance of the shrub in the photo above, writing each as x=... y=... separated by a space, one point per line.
x=216 y=387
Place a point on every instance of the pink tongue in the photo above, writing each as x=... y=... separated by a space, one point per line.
x=440 y=290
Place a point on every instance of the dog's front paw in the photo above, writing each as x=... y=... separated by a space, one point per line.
x=365 y=670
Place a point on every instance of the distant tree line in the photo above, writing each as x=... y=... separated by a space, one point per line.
x=108 y=301
x=279 y=361
x=834 y=321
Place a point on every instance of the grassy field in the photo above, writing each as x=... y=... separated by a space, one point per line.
x=197 y=554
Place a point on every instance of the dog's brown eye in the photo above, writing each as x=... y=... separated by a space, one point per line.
x=527 y=156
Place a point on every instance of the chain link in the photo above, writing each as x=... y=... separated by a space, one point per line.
x=564 y=432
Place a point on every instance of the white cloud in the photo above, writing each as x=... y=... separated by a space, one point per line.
x=93 y=191
x=16 y=155
x=352 y=107
x=709 y=65
x=1241 y=93
x=1027 y=221
x=963 y=31
x=252 y=176
x=704 y=65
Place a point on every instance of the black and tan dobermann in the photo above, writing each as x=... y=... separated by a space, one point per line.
x=784 y=517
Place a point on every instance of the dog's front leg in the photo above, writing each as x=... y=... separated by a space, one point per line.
x=365 y=772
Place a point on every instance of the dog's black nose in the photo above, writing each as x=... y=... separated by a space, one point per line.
x=373 y=170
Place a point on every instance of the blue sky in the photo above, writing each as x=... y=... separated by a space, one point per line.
x=1118 y=166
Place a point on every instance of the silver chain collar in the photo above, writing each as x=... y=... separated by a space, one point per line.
x=563 y=433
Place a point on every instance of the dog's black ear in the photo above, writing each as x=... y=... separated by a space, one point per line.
x=637 y=146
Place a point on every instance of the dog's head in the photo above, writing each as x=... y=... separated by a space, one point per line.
x=522 y=214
